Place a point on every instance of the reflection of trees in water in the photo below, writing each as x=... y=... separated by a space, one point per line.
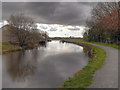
x=43 y=45
x=21 y=65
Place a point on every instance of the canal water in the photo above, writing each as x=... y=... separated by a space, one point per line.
x=44 y=67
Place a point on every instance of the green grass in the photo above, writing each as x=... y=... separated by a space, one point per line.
x=99 y=43
x=106 y=44
x=84 y=77
x=7 y=47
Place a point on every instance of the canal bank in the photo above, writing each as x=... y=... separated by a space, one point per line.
x=85 y=77
x=9 y=48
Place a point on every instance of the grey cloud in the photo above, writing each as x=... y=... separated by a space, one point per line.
x=74 y=29
x=43 y=27
x=65 y=13
x=61 y=30
x=53 y=29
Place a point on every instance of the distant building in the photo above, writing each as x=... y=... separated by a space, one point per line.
x=6 y=36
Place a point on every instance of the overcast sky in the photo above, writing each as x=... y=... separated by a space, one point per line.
x=62 y=13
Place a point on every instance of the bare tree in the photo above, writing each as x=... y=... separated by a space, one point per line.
x=23 y=28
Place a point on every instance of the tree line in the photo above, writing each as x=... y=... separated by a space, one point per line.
x=104 y=23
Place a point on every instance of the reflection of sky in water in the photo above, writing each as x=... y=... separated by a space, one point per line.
x=63 y=47
x=45 y=67
x=56 y=47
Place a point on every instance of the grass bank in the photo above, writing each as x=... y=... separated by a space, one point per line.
x=84 y=77
x=106 y=44
x=99 y=43
x=7 y=47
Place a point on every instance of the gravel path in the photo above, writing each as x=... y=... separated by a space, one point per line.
x=107 y=76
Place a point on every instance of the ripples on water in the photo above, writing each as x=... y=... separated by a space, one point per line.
x=44 y=67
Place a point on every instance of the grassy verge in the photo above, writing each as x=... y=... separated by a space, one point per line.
x=7 y=47
x=99 y=43
x=84 y=77
x=105 y=44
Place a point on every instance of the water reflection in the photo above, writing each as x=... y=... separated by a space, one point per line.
x=20 y=65
x=44 y=67
x=42 y=44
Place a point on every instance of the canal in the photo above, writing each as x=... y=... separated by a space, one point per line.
x=44 y=67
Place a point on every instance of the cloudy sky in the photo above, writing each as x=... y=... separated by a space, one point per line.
x=57 y=18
